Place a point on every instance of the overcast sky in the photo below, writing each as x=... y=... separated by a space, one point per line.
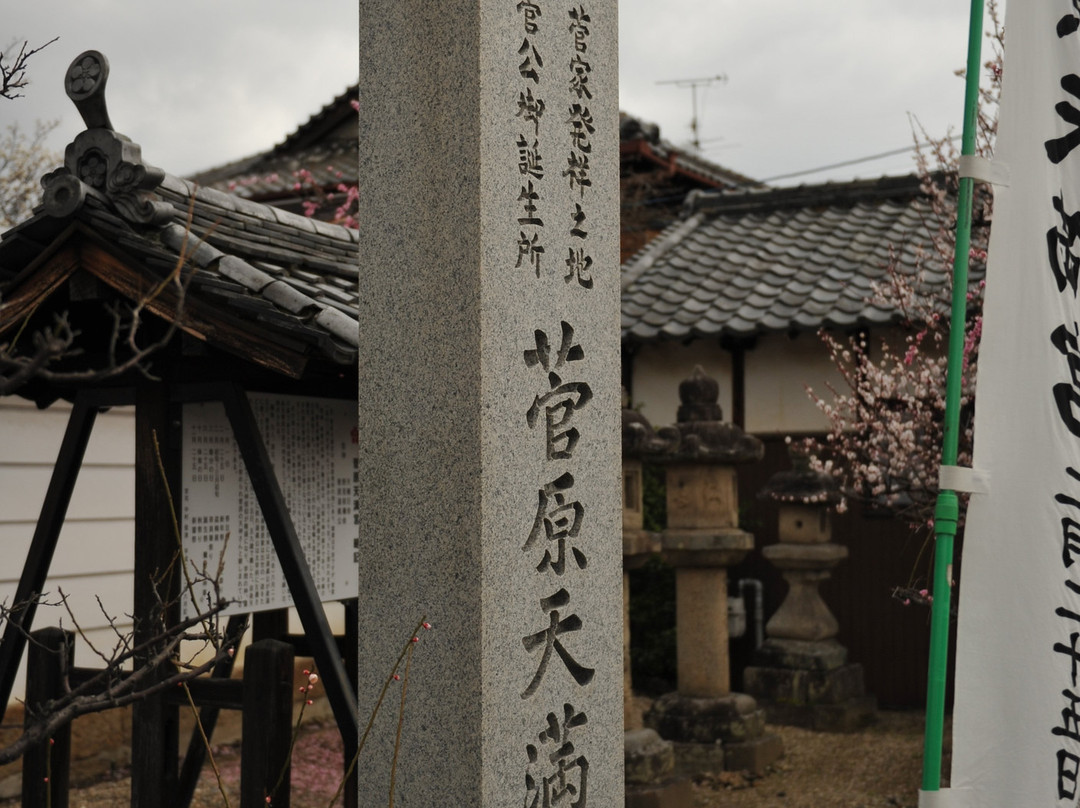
x=203 y=82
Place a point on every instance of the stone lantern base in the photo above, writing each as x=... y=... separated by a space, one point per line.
x=809 y=684
x=651 y=779
x=720 y=733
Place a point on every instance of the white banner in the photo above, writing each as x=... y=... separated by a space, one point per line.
x=1016 y=732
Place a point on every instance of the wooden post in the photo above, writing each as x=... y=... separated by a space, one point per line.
x=154 y=722
x=46 y=766
x=267 y=724
x=352 y=665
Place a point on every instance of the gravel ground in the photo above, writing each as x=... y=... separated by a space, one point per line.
x=880 y=766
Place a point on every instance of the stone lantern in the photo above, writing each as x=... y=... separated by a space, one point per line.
x=802 y=675
x=712 y=727
x=649 y=760
x=639 y=441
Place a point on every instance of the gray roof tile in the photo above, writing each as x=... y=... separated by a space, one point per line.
x=771 y=260
x=297 y=277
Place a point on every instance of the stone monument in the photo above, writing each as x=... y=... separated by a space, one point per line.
x=489 y=401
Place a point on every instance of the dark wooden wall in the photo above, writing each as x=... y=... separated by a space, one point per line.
x=889 y=639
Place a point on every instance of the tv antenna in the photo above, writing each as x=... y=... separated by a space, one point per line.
x=693 y=84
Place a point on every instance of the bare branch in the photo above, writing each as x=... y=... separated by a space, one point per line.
x=13 y=73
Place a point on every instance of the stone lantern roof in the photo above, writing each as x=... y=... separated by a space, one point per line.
x=801 y=485
x=701 y=436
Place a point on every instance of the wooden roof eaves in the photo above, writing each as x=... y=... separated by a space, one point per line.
x=79 y=248
x=670 y=164
x=35 y=284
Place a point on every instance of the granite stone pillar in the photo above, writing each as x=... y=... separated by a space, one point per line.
x=712 y=727
x=489 y=401
x=801 y=675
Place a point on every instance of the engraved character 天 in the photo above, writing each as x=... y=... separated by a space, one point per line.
x=1061 y=246
x=557 y=520
x=1067 y=394
x=563 y=774
x=547 y=638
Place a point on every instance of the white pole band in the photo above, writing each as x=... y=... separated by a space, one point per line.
x=965 y=480
x=947 y=798
x=983 y=170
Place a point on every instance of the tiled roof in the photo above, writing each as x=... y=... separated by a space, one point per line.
x=638 y=137
x=293 y=275
x=787 y=259
x=326 y=145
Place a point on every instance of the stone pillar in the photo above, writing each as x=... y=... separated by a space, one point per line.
x=712 y=727
x=489 y=400
x=802 y=676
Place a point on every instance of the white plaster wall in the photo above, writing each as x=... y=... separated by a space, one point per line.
x=660 y=366
x=778 y=370
x=95 y=552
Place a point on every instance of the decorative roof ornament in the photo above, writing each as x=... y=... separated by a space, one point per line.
x=101 y=162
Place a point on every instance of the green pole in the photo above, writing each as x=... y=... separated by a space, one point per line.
x=947 y=510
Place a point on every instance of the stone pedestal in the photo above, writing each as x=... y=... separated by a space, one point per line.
x=801 y=675
x=711 y=727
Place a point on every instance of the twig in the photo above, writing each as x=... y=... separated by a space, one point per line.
x=401 y=721
x=13 y=75
x=206 y=743
x=375 y=711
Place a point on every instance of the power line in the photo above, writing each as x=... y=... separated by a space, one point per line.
x=846 y=163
